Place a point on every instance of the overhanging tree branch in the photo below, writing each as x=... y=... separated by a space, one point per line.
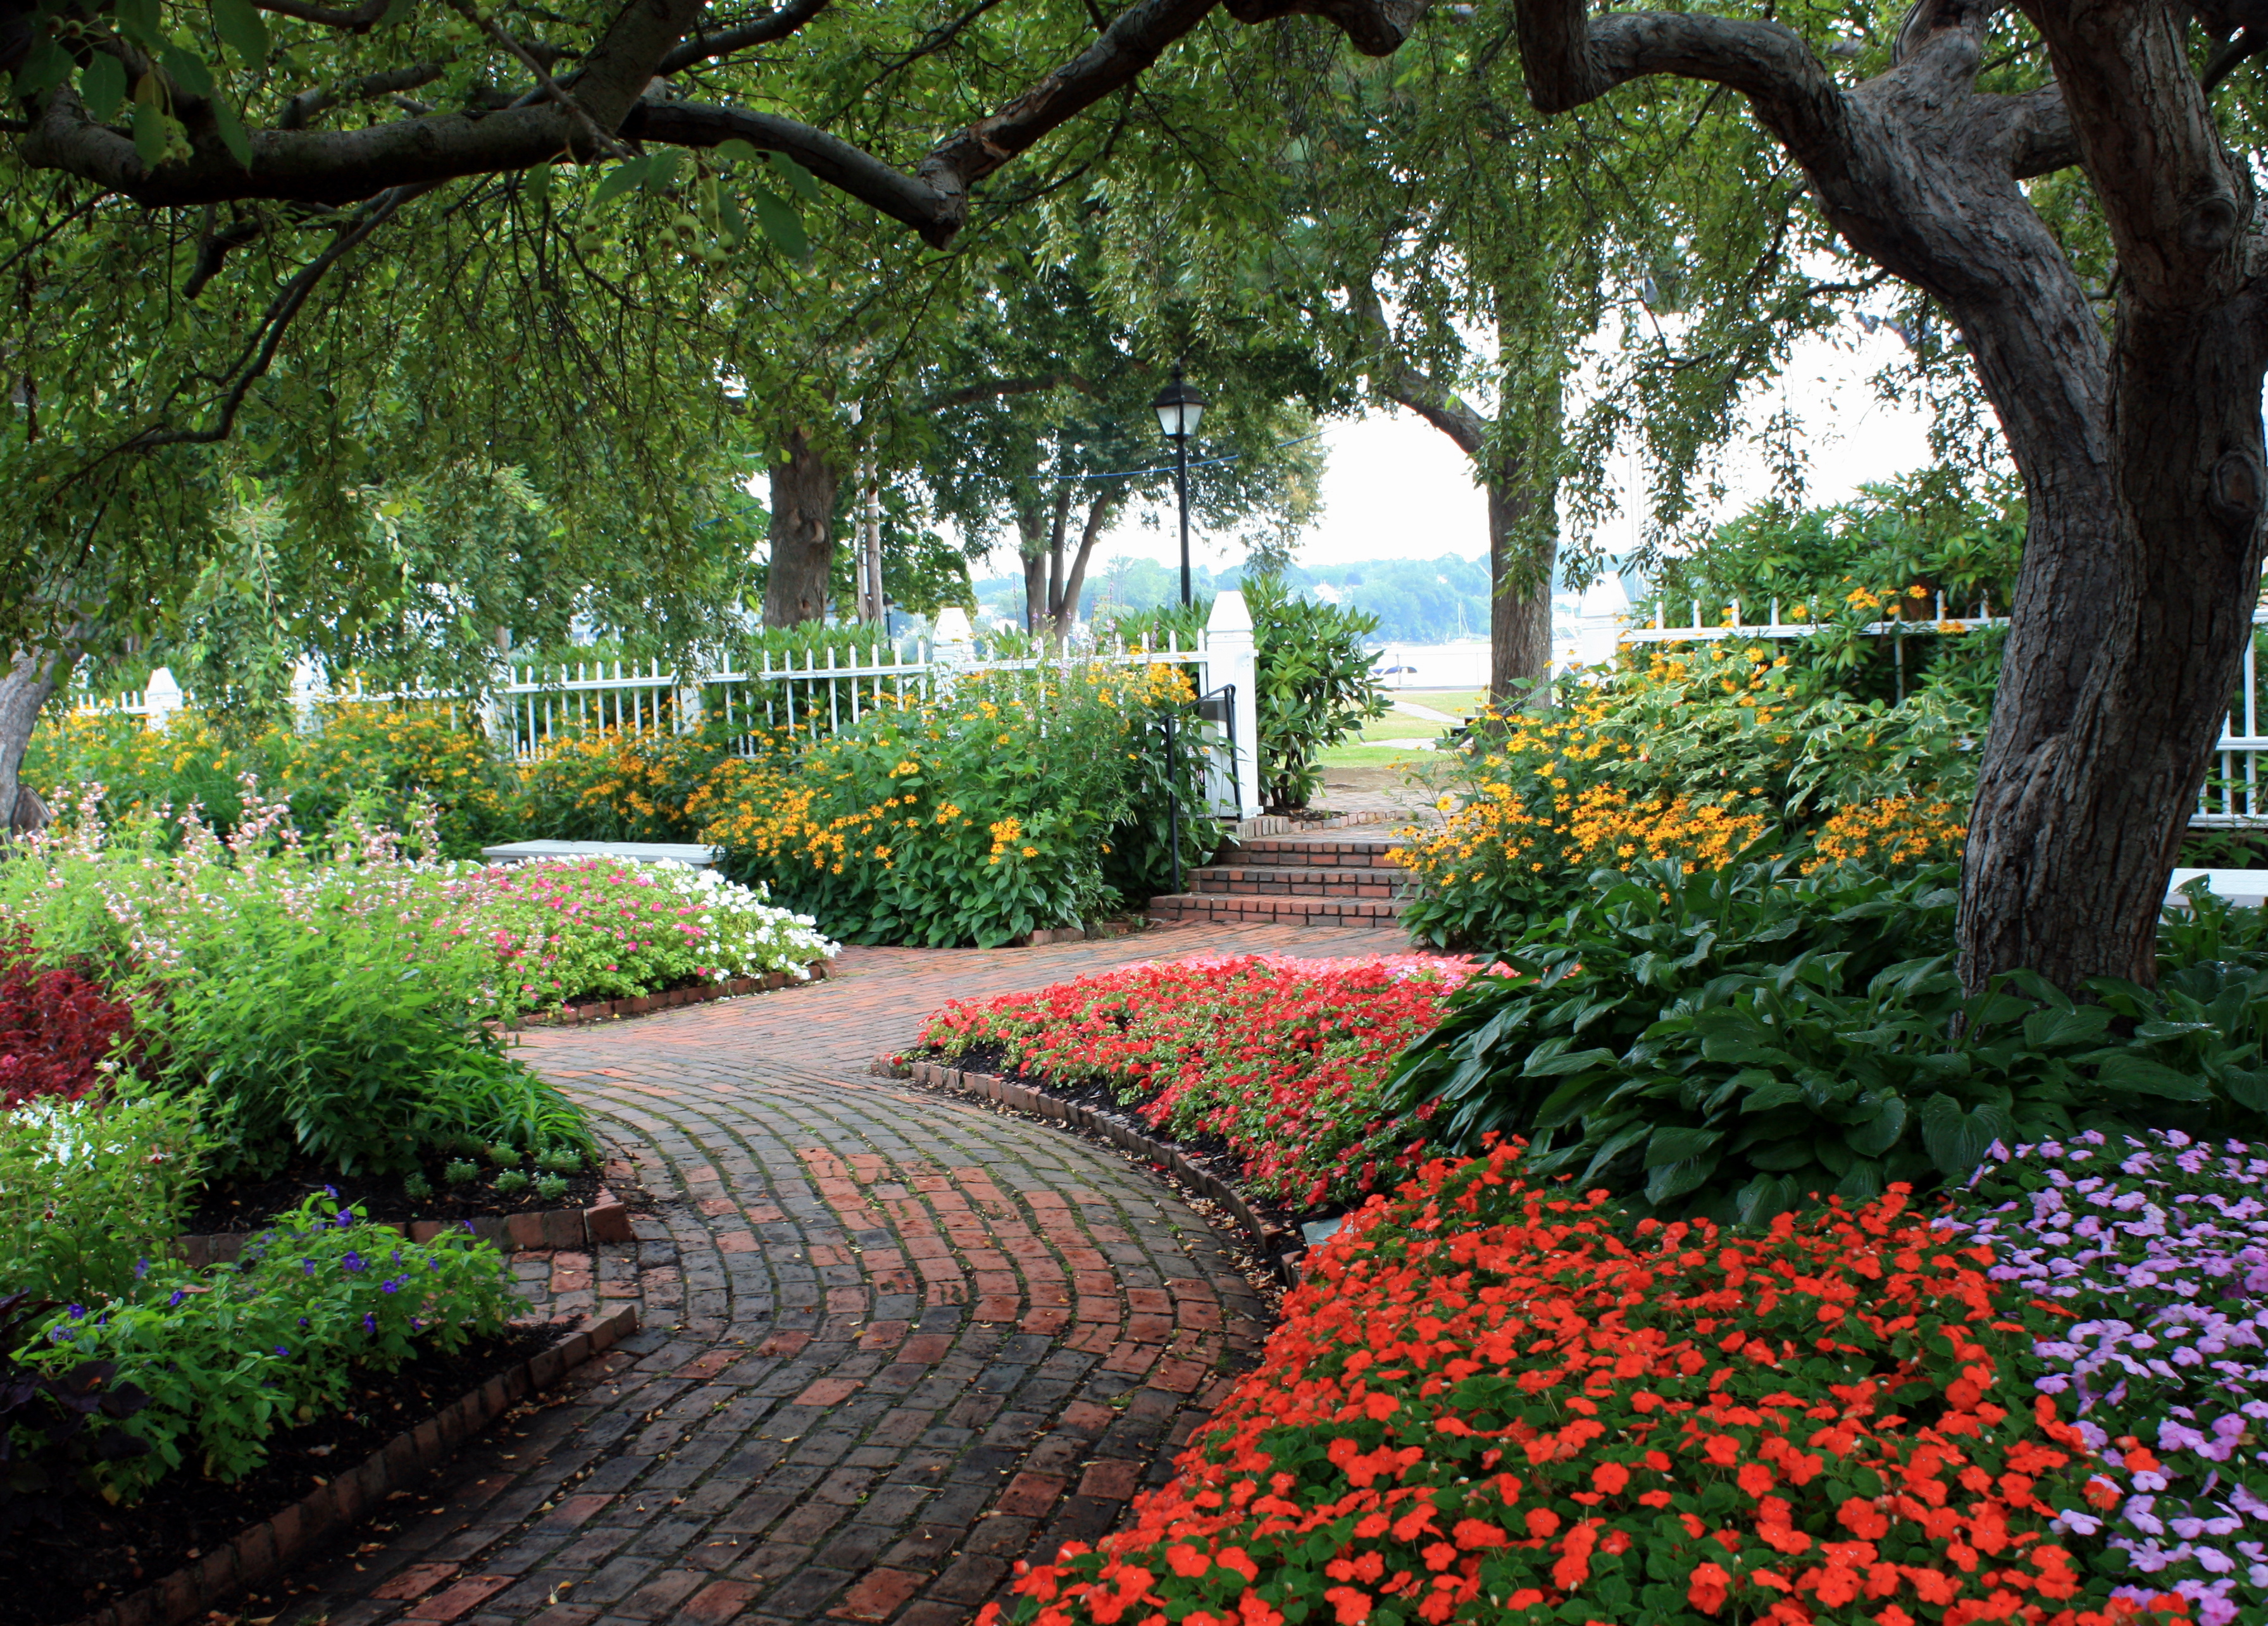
x=776 y=25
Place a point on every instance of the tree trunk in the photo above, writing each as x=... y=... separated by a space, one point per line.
x=1523 y=559
x=2142 y=456
x=803 y=489
x=1055 y=526
x=25 y=687
x=1098 y=514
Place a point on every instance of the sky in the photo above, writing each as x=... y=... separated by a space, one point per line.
x=1395 y=489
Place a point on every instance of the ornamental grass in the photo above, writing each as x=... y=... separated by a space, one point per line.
x=1283 y=1060
x=1491 y=1402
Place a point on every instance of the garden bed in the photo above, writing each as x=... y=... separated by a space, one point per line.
x=247 y=1204
x=193 y=1541
x=691 y=994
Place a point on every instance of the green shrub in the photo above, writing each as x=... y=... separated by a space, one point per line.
x=1316 y=686
x=980 y=816
x=550 y=1188
x=324 y=1005
x=231 y=1355
x=512 y=1182
x=91 y=1191
x=1734 y=1044
x=415 y=1187
x=461 y=1172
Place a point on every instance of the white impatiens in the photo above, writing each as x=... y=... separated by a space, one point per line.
x=569 y=929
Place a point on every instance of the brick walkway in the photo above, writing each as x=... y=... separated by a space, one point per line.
x=893 y=1341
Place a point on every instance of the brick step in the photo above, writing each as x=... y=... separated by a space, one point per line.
x=1286 y=910
x=1333 y=852
x=1276 y=880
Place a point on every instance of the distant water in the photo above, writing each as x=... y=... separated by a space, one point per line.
x=1436 y=666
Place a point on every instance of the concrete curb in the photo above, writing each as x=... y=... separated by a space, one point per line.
x=1278 y=1246
x=269 y=1546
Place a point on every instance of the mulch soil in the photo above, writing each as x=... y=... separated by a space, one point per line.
x=96 y=1554
x=1215 y=1154
x=248 y=1204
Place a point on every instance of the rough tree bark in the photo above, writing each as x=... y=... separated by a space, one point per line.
x=803 y=489
x=25 y=687
x=2141 y=451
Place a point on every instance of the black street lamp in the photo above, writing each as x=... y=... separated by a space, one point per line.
x=1179 y=407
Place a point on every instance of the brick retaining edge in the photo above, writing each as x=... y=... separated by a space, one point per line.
x=1276 y=1246
x=349 y=1497
x=606 y=1220
x=607 y=1010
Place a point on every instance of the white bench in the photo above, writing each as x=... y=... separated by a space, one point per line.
x=699 y=857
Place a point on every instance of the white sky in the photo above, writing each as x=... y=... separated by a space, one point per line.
x=1395 y=488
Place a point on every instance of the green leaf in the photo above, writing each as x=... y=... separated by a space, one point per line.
x=240 y=28
x=149 y=121
x=539 y=184
x=1957 y=1140
x=661 y=170
x=2138 y=1075
x=231 y=132
x=137 y=20
x=102 y=87
x=780 y=223
x=1880 y=1132
x=1678 y=1145
x=800 y=181
x=1675 y=1180
x=737 y=151
x=2247 y=1087
x=189 y=69
x=620 y=180
x=734 y=227
x=47 y=66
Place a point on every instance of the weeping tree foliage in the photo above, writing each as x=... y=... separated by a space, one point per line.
x=321 y=262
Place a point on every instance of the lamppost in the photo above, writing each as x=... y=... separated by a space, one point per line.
x=1179 y=407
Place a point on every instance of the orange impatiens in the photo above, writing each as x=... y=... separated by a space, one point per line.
x=1495 y=1402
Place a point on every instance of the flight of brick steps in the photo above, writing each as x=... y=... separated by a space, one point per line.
x=1346 y=877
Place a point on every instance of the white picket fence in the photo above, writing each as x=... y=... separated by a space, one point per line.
x=550 y=702
x=2233 y=797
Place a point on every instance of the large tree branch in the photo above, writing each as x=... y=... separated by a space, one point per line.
x=996 y=389
x=1569 y=59
x=775 y=25
x=935 y=214
x=310 y=103
x=344 y=166
x=1408 y=386
x=2176 y=201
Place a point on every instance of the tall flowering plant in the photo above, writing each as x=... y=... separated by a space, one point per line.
x=1282 y=1059
x=2145 y=1261
x=1492 y=1402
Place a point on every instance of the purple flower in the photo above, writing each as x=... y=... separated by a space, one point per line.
x=178 y=1296
x=369 y=1322
x=352 y=1263
x=280 y=1350
x=76 y=1311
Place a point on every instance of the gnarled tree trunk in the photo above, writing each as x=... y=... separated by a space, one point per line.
x=25 y=687
x=803 y=491
x=1523 y=558
x=2141 y=453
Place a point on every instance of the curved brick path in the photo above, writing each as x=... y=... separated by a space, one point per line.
x=893 y=1342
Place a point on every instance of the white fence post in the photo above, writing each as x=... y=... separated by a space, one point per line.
x=952 y=644
x=161 y=697
x=1230 y=659
x=304 y=697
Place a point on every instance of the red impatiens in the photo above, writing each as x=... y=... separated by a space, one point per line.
x=55 y=1026
x=1282 y=1059
x=1493 y=1402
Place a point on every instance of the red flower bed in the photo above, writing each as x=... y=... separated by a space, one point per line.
x=1490 y=1402
x=1282 y=1059
x=54 y=1026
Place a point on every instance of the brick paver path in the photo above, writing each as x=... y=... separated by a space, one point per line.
x=893 y=1343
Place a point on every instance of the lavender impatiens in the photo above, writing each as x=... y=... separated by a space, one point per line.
x=2149 y=1262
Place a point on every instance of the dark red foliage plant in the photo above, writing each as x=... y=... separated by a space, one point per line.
x=57 y=1024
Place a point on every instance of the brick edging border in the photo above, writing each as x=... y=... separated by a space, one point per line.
x=606 y=1010
x=1279 y=1248
x=266 y=1547
x=606 y=1220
